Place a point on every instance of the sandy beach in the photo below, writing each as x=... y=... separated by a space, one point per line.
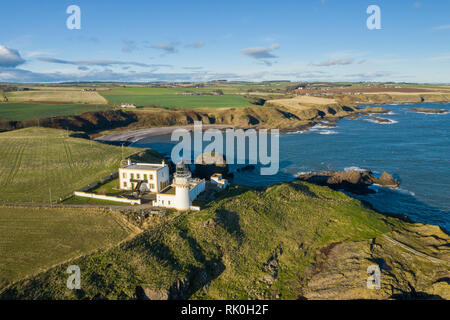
x=131 y=136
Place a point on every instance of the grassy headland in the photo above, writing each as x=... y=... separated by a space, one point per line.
x=293 y=240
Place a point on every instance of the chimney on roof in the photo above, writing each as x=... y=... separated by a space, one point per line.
x=163 y=162
x=128 y=161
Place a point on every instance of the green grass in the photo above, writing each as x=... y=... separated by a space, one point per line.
x=34 y=239
x=228 y=243
x=25 y=111
x=35 y=160
x=109 y=188
x=166 y=97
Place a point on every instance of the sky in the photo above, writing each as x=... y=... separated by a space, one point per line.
x=197 y=40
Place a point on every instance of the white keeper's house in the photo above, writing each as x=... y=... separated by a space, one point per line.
x=148 y=177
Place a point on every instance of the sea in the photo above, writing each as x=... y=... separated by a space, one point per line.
x=413 y=147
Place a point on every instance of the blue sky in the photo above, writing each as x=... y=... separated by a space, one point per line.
x=152 y=40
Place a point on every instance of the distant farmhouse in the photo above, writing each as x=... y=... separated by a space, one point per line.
x=129 y=105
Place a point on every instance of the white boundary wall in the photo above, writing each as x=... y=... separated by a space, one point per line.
x=109 y=198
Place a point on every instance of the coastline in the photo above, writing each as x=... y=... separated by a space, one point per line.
x=325 y=126
x=128 y=137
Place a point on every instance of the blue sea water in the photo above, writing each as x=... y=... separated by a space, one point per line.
x=414 y=147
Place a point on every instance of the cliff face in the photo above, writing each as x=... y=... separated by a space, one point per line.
x=87 y=122
x=257 y=117
x=290 y=241
x=414 y=262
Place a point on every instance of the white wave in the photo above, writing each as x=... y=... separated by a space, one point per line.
x=327 y=132
x=447 y=112
x=354 y=168
x=390 y=121
x=297 y=132
x=318 y=127
x=299 y=173
x=404 y=191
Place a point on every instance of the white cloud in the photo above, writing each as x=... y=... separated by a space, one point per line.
x=101 y=63
x=10 y=58
x=442 y=27
x=370 y=75
x=337 y=62
x=195 y=45
x=129 y=45
x=167 y=48
x=261 y=53
x=440 y=58
x=24 y=76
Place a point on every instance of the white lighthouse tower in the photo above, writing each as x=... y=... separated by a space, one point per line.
x=182 y=179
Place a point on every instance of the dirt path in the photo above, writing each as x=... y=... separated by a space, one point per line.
x=414 y=251
x=98 y=206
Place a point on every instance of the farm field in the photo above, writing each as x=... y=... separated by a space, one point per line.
x=34 y=239
x=25 y=111
x=168 y=97
x=35 y=160
x=302 y=100
x=55 y=95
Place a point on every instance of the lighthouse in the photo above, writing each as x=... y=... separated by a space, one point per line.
x=182 y=180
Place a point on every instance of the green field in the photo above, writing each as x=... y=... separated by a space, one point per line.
x=34 y=239
x=34 y=161
x=168 y=97
x=25 y=111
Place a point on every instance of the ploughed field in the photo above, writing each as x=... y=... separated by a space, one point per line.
x=35 y=239
x=68 y=95
x=37 y=161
